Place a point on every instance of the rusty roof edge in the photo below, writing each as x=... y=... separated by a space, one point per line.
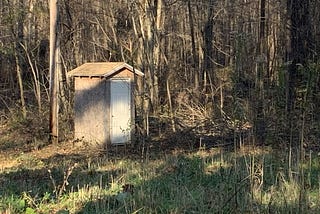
x=134 y=70
x=124 y=65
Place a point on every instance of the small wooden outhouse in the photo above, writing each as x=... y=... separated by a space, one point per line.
x=104 y=102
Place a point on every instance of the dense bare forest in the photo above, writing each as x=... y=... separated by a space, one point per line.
x=236 y=64
x=218 y=74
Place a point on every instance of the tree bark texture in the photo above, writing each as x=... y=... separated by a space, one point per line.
x=53 y=119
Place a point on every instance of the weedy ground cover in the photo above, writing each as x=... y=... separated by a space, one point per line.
x=216 y=180
x=166 y=177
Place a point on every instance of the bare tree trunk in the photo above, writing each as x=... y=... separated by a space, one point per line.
x=35 y=75
x=300 y=42
x=149 y=42
x=301 y=46
x=53 y=120
x=195 y=75
x=62 y=81
x=157 y=31
x=151 y=21
x=260 y=73
x=170 y=106
x=18 y=54
x=208 y=44
x=20 y=82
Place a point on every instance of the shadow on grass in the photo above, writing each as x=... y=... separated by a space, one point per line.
x=35 y=186
x=184 y=183
x=33 y=179
x=204 y=182
x=169 y=178
x=28 y=179
x=177 y=187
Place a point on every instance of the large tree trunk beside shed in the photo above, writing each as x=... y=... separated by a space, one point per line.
x=53 y=120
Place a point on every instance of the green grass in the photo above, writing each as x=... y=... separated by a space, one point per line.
x=214 y=181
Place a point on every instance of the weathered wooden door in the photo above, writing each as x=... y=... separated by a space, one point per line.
x=120 y=109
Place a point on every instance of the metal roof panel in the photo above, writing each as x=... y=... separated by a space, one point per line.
x=101 y=69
